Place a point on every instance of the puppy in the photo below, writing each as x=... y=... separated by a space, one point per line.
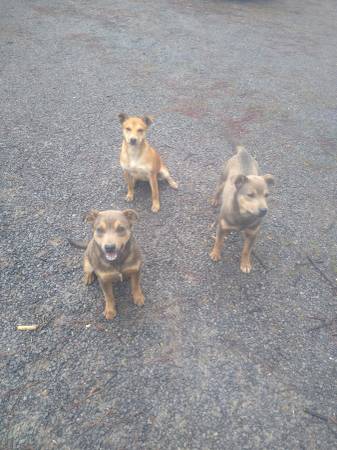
x=112 y=255
x=139 y=161
x=244 y=203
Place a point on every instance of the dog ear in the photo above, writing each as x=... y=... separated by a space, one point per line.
x=148 y=120
x=131 y=215
x=122 y=117
x=240 y=181
x=91 y=216
x=269 y=179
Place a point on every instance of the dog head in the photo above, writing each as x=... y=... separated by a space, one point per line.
x=112 y=230
x=252 y=193
x=134 y=128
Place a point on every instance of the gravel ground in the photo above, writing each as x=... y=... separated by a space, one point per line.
x=216 y=358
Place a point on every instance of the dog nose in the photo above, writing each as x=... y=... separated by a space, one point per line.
x=263 y=212
x=109 y=248
x=133 y=141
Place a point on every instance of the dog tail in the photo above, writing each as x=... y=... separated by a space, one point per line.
x=240 y=149
x=235 y=147
x=78 y=244
x=165 y=174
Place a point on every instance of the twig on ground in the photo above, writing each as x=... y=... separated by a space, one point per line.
x=327 y=419
x=317 y=415
x=93 y=391
x=300 y=264
x=320 y=271
x=177 y=237
x=188 y=156
x=324 y=323
x=261 y=262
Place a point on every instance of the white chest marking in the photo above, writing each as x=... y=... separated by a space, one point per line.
x=137 y=170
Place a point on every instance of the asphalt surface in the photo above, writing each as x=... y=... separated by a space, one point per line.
x=216 y=359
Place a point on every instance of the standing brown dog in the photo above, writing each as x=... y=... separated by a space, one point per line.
x=244 y=203
x=112 y=255
x=139 y=161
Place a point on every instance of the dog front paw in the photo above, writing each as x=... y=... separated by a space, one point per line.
x=110 y=314
x=215 y=255
x=246 y=266
x=215 y=202
x=88 y=278
x=129 y=197
x=155 y=207
x=138 y=299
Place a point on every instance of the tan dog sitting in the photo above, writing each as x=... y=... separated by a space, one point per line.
x=112 y=255
x=139 y=161
x=243 y=193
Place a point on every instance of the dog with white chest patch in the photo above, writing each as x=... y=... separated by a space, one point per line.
x=139 y=160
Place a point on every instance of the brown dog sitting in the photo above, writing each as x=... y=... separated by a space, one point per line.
x=244 y=203
x=112 y=255
x=139 y=161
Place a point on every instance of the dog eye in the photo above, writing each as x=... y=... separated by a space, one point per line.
x=140 y=130
x=251 y=195
x=120 y=229
x=128 y=129
x=99 y=230
x=266 y=194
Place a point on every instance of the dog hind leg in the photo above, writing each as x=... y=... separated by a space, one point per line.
x=89 y=274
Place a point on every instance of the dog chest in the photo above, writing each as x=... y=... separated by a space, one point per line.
x=136 y=169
